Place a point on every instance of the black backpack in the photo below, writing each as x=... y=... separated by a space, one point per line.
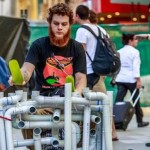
x=106 y=59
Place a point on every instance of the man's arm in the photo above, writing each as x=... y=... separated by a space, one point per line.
x=138 y=83
x=143 y=36
x=84 y=46
x=27 y=70
x=80 y=82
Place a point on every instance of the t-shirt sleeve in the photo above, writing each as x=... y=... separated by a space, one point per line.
x=79 y=63
x=81 y=35
x=33 y=53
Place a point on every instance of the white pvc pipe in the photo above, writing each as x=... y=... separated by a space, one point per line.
x=25 y=97
x=56 y=115
x=78 y=107
x=8 y=125
x=19 y=92
x=49 y=100
x=1 y=94
x=29 y=142
x=106 y=116
x=107 y=124
x=75 y=117
x=92 y=132
x=78 y=132
x=10 y=100
x=99 y=135
x=39 y=124
x=11 y=94
x=34 y=94
x=75 y=100
x=60 y=100
x=110 y=96
x=95 y=119
x=92 y=139
x=73 y=138
x=37 y=138
x=76 y=135
x=86 y=127
x=68 y=117
x=2 y=131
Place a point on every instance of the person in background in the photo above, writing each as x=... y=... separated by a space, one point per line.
x=143 y=37
x=88 y=41
x=87 y=17
x=53 y=58
x=129 y=76
x=101 y=82
x=4 y=76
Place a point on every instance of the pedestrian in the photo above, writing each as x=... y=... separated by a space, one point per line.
x=129 y=76
x=4 y=76
x=88 y=41
x=87 y=17
x=54 y=57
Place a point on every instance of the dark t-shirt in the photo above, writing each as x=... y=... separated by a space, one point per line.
x=53 y=64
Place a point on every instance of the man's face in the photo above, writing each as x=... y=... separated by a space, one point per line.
x=134 y=42
x=59 y=30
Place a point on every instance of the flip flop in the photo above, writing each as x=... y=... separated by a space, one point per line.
x=70 y=79
x=15 y=72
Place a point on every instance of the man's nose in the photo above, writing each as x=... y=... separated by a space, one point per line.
x=60 y=26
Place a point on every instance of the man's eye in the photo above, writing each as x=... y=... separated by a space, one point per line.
x=64 y=24
x=56 y=23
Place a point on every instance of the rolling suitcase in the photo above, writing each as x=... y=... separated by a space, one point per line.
x=124 y=111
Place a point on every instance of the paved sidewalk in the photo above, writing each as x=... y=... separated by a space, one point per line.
x=134 y=138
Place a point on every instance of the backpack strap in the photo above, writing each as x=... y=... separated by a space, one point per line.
x=93 y=33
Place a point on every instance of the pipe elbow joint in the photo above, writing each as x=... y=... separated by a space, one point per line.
x=40 y=99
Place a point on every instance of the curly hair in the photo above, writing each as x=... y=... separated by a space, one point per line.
x=60 y=9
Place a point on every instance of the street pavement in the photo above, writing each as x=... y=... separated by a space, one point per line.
x=133 y=138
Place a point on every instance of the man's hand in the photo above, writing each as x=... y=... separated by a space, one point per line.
x=139 y=83
x=11 y=82
x=2 y=87
x=80 y=82
x=26 y=71
x=143 y=36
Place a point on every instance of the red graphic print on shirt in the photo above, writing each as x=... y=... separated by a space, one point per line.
x=56 y=70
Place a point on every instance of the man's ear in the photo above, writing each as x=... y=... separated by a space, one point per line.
x=130 y=41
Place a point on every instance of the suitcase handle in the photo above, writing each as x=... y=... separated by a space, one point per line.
x=137 y=96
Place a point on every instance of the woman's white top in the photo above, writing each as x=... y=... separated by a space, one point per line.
x=130 y=65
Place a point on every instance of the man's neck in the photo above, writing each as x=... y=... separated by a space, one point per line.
x=84 y=22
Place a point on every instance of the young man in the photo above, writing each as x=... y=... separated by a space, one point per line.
x=88 y=41
x=55 y=56
x=87 y=17
x=129 y=75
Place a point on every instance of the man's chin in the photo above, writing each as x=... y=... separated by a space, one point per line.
x=59 y=37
